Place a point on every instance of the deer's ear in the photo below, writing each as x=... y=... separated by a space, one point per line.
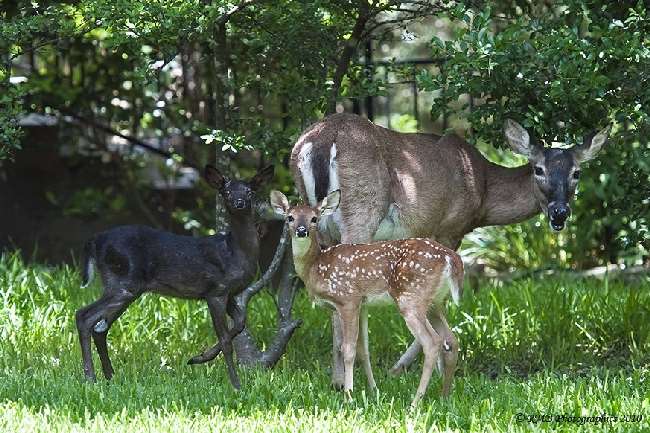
x=330 y=203
x=279 y=203
x=214 y=177
x=591 y=145
x=519 y=139
x=264 y=176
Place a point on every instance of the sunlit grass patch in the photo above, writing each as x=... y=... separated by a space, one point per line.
x=530 y=347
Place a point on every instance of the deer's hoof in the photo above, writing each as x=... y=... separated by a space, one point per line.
x=196 y=360
x=337 y=383
x=236 y=384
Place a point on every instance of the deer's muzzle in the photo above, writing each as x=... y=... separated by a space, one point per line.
x=558 y=213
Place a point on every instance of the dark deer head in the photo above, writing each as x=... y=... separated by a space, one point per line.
x=237 y=194
x=555 y=171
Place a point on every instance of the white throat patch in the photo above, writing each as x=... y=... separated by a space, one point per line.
x=300 y=246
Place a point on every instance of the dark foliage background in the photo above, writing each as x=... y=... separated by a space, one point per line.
x=234 y=82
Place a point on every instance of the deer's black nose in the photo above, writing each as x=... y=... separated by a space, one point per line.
x=560 y=212
x=240 y=203
x=302 y=232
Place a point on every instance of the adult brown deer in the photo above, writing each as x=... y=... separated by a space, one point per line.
x=397 y=185
x=415 y=273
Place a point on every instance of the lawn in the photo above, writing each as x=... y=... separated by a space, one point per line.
x=531 y=347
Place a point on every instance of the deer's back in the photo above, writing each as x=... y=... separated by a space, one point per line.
x=409 y=268
x=435 y=184
x=145 y=259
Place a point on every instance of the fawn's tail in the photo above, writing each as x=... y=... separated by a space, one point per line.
x=88 y=263
x=456 y=274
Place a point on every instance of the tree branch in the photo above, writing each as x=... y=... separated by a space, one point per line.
x=346 y=55
x=287 y=326
x=404 y=14
x=132 y=140
x=223 y=19
x=244 y=297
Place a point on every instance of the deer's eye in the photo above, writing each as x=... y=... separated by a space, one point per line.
x=539 y=171
x=290 y=218
x=313 y=220
x=576 y=174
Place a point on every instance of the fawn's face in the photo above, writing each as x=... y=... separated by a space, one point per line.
x=555 y=171
x=238 y=195
x=303 y=219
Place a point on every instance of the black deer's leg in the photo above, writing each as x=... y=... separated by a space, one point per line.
x=238 y=315
x=84 y=336
x=95 y=319
x=207 y=355
x=217 y=306
x=117 y=304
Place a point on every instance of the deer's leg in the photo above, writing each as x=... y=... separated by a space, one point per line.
x=421 y=329
x=362 y=347
x=448 y=357
x=357 y=228
x=413 y=351
x=337 y=356
x=238 y=315
x=82 y=317
x=239 y=322
x=115 y=306
x=207 y=355
x=87 y=319
x=349 y=314
x=406 y=359
x=217 y=307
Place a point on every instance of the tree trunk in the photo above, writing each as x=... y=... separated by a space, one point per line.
x=245 y=346
x=346 y=55
x=247 y=351
x=219 y=78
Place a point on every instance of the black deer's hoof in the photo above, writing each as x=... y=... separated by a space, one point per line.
x=194 y=360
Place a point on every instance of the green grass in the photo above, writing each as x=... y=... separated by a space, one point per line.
x=532 y=347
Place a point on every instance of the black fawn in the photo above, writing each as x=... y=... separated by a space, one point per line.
x=132 y=260
x=417 y=274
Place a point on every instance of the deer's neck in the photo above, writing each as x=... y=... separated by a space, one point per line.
x=244 y=235
x=509 y=197
x=305 y=254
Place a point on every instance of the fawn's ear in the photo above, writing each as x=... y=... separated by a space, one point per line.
x=214 y=178
x=330 y=203
x=263 y=177
x=279 y=203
